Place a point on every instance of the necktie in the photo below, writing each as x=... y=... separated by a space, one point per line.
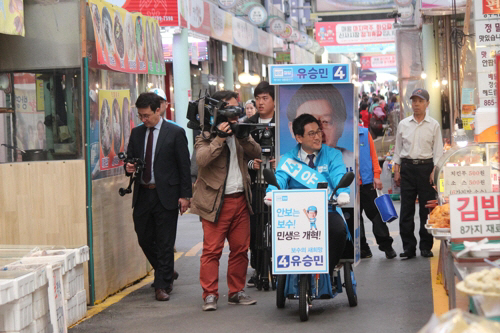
x=146 y=174
x=311 y=160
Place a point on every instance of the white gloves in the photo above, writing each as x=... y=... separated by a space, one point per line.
x=268 y=199
x=343 y=199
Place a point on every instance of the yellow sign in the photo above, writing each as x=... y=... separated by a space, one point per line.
x=441 y=185
x=40 y=98
x=468 y=123
x=12 y=17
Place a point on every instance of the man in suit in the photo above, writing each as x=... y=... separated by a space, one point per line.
x=162 y=188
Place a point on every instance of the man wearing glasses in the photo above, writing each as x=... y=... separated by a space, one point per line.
x=161 y=191
x=327 y=165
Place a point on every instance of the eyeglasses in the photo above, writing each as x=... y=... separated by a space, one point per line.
x=144 y=116
x=313 y=134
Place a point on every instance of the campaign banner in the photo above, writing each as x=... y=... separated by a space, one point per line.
x=300 y=232
x=335 y=113
x=355 y=32
x=309 y=74
x=221 y=24
x=474 y=216
x=12 y=22
x=154 y=46
x=165 y=11
x=114 y=126
x=119 y=36
x=378 y=61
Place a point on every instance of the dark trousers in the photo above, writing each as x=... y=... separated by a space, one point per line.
x=156 y=229
x=380 y=229
x=337 y=237
x=415 y=182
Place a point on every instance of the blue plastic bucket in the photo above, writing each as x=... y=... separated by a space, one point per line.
x=386 y=208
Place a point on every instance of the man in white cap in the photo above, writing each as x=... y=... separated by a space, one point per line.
x=164 y=102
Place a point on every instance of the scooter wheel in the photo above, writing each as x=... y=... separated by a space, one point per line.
x=304 y=296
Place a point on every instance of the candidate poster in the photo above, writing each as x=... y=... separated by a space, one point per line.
x=114 y=126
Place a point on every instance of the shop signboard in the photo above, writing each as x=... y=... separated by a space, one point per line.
x=355 y=32
x=309 y=74
x=486 y=9
x=283 y=57
x=221 y=24
x=257 y=14
x=199 y=17
x=245 y=35
x=165 y=11
x=12 y=22
x=295 y=35
x=487 y=32
x=466 y=180
x=277 y=25
x=498 y=94
x=445 y=4
x=474 y=216
x=342 y=5
x=227 y=3
x=378 y=61
x=485 y=58
x=265 y=43
x=287 y=32
x=487 y=85
x=300 y=232
x=115 y=126
x=120 y=38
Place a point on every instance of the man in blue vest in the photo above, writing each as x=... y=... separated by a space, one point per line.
x=327 y=166
x=369 y=171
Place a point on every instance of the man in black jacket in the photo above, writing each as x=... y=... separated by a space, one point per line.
x=162 y=189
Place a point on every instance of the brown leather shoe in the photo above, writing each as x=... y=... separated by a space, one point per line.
x=161 y=295
x=170 y=288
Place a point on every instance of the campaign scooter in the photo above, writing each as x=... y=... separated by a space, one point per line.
x=307 y=287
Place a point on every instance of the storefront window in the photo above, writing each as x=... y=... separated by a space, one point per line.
x=40 y=116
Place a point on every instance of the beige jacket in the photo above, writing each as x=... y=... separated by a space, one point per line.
x=212 y=157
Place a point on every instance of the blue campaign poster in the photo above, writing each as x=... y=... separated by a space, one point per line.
x=309 y=74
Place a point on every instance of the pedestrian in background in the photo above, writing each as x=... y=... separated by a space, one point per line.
x=419 y=145
x=369 y=168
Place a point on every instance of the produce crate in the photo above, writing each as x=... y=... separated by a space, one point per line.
x=16 y=315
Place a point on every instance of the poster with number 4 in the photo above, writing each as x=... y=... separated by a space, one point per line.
x=300 y=232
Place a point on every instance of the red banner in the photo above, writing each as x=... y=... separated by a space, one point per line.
x=355 y=32
x=379 y=61
x=165 y=11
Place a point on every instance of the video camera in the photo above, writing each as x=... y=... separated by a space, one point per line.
x=139 y=166
x=264 y=136
x=206 y=113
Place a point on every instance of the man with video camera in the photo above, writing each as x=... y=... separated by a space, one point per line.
x=222 y=199
x=162 y=188
x=265 y=136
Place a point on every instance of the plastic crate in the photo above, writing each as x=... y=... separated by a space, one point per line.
x=16 y=315
x=40 y=302
x=49 y=260
x=68 y=256
x=24 y=282
x=40 y=271
x=81 y=305
x=73 y=281
x=6 y=291
x=82 y=254
x=42 y=325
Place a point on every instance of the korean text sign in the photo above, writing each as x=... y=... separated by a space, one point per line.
x=355 y=32
x=300 y=232
x=467 y=180
x=475 y=216
x=309 y=74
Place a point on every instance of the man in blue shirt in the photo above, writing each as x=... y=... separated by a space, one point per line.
x=327 y=165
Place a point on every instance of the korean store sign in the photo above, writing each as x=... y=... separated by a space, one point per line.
x=300 y=232
x=355 y=32
x=310 y=74
x=475 y=216
x=378 y=61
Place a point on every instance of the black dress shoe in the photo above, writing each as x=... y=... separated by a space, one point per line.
x=427 y=253
x=161 y=295
x=390 y=254
x=407 y=254
x=176 y=275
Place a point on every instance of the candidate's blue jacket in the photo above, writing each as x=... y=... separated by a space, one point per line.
x=328 y=162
